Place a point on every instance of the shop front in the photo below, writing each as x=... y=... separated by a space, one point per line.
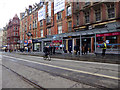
x=112 y=39
x=37 y=45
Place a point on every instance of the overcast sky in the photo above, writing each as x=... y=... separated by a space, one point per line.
x=8 y=9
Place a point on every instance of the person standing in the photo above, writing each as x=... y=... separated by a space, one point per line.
x=54 y=49
x=104 y=47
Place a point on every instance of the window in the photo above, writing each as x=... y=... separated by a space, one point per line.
x=69 y=26
x=111 y=10
x=48 y=31
x=69 y=11
x=14 y=28
x=48 y=19
x=98 y=15
x=59 y=29
x=41 y=32
x=41 y=23
x=30 y=27
x=77 y=20
x=77 y=4
x=33 y=25
x=86 y=17
x=59 y=15
x=25 y=28
x=14 y=33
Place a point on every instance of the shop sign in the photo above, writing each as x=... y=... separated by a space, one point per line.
x=41 y=13
x=57 y=41
x=108 y=34
x=59 y=5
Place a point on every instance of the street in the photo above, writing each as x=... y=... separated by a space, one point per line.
x=59 y=73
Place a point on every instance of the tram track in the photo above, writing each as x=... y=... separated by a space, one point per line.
x=35 y=85
x=98 y=87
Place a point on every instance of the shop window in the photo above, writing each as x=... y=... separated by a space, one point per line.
x=112 y=39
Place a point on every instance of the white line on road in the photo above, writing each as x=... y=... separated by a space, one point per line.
x=79 y=71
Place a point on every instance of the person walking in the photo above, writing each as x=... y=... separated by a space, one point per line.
x=104 y=47
x=86 y=48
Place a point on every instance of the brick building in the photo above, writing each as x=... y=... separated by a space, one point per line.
x=13 y=36
x=70 y=23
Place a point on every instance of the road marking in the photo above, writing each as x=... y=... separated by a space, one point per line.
x=101 y=75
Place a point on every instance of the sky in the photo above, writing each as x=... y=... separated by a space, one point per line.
x=8 y=9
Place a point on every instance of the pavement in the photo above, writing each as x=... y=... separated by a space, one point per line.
x=109 y=58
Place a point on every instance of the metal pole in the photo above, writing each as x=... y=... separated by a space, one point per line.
x=62 y=46
x=42 y=45
x=80 y=45
x=73 y=46
x=95 y=42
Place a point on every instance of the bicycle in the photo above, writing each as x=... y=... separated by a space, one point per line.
x=47 y=57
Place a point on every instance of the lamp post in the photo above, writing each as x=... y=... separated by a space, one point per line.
x=29 y=35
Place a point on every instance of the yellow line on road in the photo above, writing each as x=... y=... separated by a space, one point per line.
x=95 y=74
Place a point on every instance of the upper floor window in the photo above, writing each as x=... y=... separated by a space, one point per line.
x=41 y=23
x=77 y=19
x=59 y=15
x=49 y=31
x=70 y=26
x=59 y=29
x=98 y=15
x=87 y=17
x=41 y=32
x=30 y=27
x=14 y=28
x=111 y=10
x=35 y=23
x=69 y=12
x=48 y=19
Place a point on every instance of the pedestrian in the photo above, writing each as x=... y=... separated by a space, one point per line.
x=70 y=49
x=104 y=47
x=83 y=50
x=86 y=48
x=54 y=49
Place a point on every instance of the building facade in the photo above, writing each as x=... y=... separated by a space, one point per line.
x=68 y=24
x=13 y=37
x=1 y=35
x=4 y=38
